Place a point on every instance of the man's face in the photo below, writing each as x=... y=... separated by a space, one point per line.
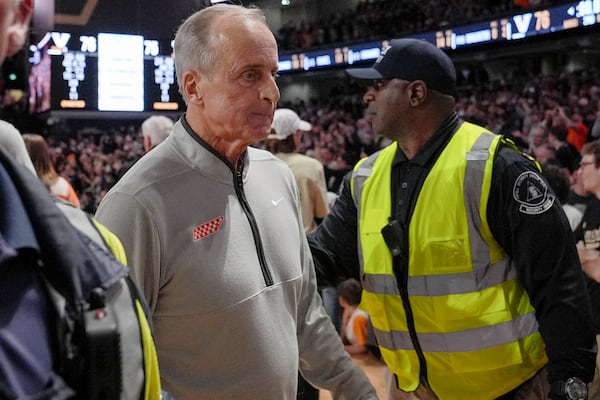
x=538 y=137
x=14 y=23
x=6 y=18
x=240 y=95
x=387 y=106
x=543 y=153
x=589 y=173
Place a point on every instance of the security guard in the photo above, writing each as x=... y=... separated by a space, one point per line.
x=468 y=265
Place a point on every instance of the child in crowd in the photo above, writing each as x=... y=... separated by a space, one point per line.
x=355 y=321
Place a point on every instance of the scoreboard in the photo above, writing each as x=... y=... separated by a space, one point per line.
x=108 y=72
x=520 y=26
x=126 y=72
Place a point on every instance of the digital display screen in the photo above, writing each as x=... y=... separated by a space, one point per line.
x=519 y=26
x=106 y=72
x=120 y=72
x=159 y=78
x=74 y=64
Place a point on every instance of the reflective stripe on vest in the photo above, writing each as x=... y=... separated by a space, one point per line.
x=359 y=174
x=472 y=316
x=437 y=285
x=463 y=340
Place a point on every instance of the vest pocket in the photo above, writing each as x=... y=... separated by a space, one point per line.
x=372 y=244
x=448 y=256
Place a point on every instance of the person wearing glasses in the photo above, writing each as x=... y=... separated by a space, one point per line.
x=587 y=236
x=468 y=264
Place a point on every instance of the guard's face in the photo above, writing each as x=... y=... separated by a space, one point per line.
x=388 y=106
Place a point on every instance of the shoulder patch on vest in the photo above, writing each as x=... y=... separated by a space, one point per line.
x=531 y=192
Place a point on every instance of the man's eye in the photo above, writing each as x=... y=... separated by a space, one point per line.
x=379 y=84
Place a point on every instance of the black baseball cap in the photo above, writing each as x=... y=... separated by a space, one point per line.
x=411 y=60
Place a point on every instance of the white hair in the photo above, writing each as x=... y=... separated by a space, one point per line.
x=194 y=49
x=157 y=128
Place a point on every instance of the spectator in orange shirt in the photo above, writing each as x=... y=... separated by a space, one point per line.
x=577 y=131
x=39 y=151
x=354 y=320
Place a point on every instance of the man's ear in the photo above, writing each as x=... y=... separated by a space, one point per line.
x=18 y=29
x=147 y=143
x=191 y=86
x=418 y=92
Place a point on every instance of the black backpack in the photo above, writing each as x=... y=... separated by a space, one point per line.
x=101 y=318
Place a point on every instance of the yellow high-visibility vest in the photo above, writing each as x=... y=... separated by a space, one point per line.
x=474 y=321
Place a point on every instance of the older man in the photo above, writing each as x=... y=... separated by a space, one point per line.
x=155 y=130
x=213 y=231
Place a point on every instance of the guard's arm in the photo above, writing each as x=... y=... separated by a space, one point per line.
x=334 y=244
x=529 y=223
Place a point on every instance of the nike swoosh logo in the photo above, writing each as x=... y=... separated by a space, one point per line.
x=276 y=202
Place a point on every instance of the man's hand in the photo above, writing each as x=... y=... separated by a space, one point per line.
x=590 y=261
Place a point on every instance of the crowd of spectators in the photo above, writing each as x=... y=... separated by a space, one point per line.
x=93 y=160
x=383 y=19
x=340 y=135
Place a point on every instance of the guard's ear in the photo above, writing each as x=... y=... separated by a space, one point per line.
x=19 y=27
x=417 y=91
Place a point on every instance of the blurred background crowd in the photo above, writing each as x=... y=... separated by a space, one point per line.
x=524 y=111
x=539 y=110
x=382 y=19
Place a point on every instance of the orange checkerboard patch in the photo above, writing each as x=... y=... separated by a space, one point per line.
x=207 y=229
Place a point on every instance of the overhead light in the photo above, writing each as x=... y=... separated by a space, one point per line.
x=285 y=2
